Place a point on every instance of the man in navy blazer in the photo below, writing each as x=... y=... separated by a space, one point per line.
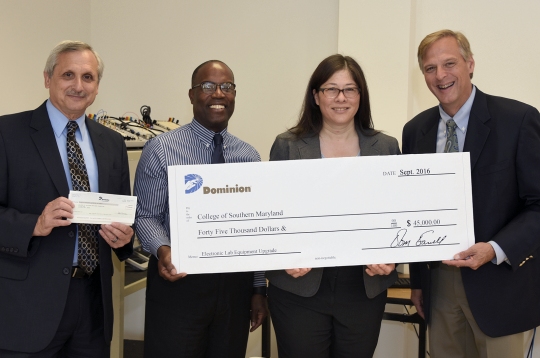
x=49 y=307
x=479 y=303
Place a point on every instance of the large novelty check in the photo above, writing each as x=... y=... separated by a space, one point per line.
x=320 y=212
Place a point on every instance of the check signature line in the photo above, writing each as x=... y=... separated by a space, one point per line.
x=327 y=216
x=409 y=247
x=274 y=253
x=299 y=232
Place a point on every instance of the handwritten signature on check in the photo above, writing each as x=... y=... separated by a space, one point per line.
x=427 y=238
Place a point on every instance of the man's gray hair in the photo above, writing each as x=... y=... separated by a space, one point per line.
x=67 y=46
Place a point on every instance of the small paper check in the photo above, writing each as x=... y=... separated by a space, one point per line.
x=320 y=212
x=99 y=208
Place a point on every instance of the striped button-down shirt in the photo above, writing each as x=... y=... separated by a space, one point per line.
x=187 y=145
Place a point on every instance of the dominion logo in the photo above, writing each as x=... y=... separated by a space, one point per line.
x=193 y=183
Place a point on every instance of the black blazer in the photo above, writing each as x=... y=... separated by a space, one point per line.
x=288 y=147
x=35 y=271
x=503 y=138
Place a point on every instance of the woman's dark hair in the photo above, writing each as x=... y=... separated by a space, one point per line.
x=310 y=121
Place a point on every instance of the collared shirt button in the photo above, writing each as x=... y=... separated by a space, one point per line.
x=11 y=249
x=66 y=271
x=71 y=234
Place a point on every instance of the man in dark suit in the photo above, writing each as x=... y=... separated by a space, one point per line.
x=55 y=276
x=478 y=304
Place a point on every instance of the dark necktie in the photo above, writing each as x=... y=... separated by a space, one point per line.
x=451 y=145
x=87 y=255
x=217 y=154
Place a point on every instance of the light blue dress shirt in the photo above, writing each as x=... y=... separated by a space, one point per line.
x=59 y=122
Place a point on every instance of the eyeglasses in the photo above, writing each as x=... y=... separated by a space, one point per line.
x=348 y=92
x=211 y=87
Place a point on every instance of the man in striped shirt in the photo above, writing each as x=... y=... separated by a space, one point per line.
x=201 y=315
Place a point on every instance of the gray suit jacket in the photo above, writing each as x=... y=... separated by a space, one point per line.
x=288 y=147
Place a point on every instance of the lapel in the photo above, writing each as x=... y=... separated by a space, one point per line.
x=102 y=157
x=310 y=147
x=477 y=130
x=427 y=142
x=368 y=145
x=43 y=137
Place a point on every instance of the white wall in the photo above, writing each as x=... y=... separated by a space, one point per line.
x=376 y=34
x=29 y=29
x=152 y=48
x=503 y=37
x=384 y=36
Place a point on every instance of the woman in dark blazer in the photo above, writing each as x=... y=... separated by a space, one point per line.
x=335 y=311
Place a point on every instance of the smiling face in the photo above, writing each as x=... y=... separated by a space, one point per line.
x=447 y=74
x=213 y=111
x=74 y=84
x=339 y=110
